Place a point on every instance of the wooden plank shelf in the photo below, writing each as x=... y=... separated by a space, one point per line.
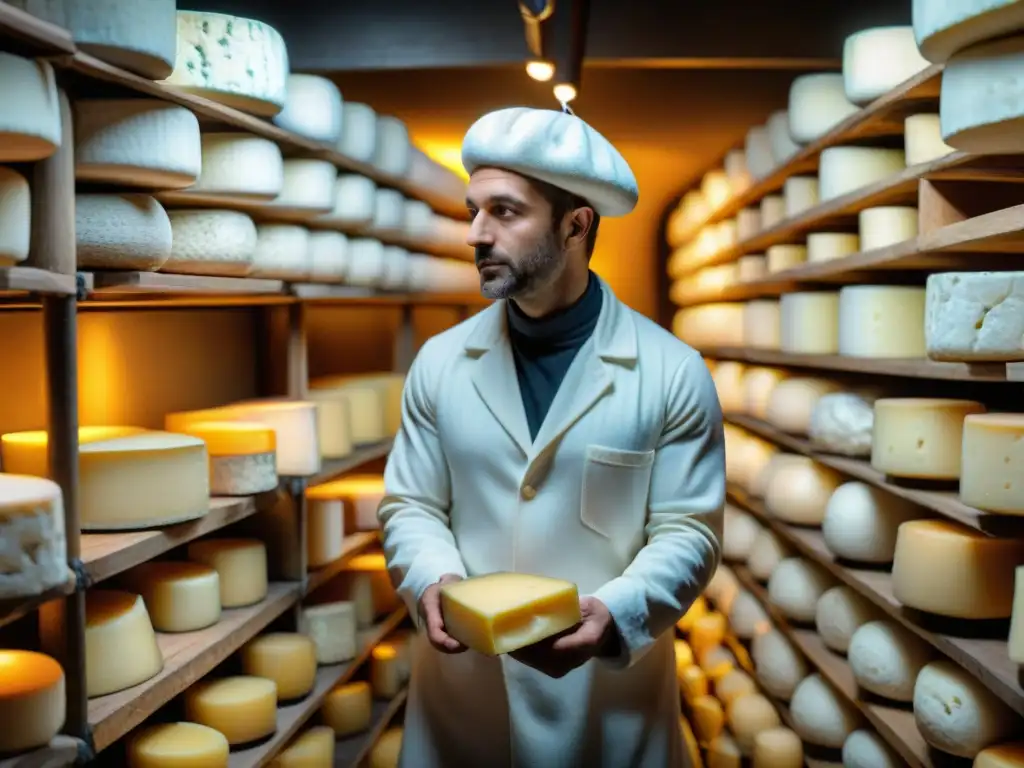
x=105 y=284
x=12 y=609
x=291 y=718
x=353 y=544
x=361 y=455
x=345 y=294
x=188 y=656
x=15 y=282
x=354 y=751
x=32 y=36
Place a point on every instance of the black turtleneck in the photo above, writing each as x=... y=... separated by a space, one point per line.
x=545 y=347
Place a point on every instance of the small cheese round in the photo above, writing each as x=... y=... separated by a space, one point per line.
x=732 y=685
x=385 y=671
x=328 y=256
x=778 y=748
x=728 y=378
x=992 y=462
x=307 y=191
x=16 y=218
x=347 y=708
x=922 y=139
x=750 y=459
x=243 y=708
x=799 y=490
x=839 y=614
x=748 y=716
x=844 y=170
x=778 y=665
x=115 y=621
x=885 y=659
x=817 y=104
x=886 y=225
x=312 y=108
x=710 y=325
x=180 y=596
x=241 y=565
x=739 y=531
x=243 y=459
x=955 y=713
x=387 y=750
x=861 y=522
x=768 y=551
x=920 y=437
x=881 y=321
x=708 y=718
x=795 y=586
x=843 y=423
x=365 y=262
x=717 y=662
x=782 y=145
x=282 y=252
x=773 y=211
x=783 y=257
x=313 y=749
x=761 y=324
x=723 y=752
x=827 y=246
x=820 y=715
x=237 y=169
x=358 y=132
x=32 y=700
x=810 y=323
x=32 y=531
x=392 y=151
x=1001 y=756
x=800 y=193
x=866 y=749
x=126 y=231
x=208 y=242
x=748 y=224
x=758 y=383
x=168 y=745
x=877 y=60
x=747 y=616
x=792 y=403
x=287 y=658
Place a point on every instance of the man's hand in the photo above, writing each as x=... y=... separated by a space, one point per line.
x=594 y=636
x=431 y=619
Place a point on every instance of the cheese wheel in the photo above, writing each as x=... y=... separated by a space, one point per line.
x=843 y=423
x=779 y=666
x=735 y=165
x=866 y=749
x=698 y=608
x=366 y=406
x=740 y=529
x=683 y=655
x=237 y=169
x=839 y=613
x=792 y=403
x=783 y=257
x=365 y=581
x=721 y=590
x=365 y=262
x=809 y=323
x=708 y=718
x=761 y=321
x=886 y=225
x=777 y=462
x=800 y=194
x=758 y=150
x=795 y=587
x=115 y=621
x=354 y=203
x=347 y=709
x=332 y=627
x=748 y=716
x=724 y=752
x=313 y=749
x=361 y=495
x=710 y=325
x=693 y=683
x=946 y=28
x=950 y=570
x=861 y=522
x=843 y=170
x=778 y=748
x=773 y=211
x=388 y=212
x=728 y=379
x=826 y=246
x=885 y=659
x=748 y=223
x=715 y=188
x=881 y=321
x=15 y=217
x=758 y=384
x=768 y=551
x=817 y=104
x=396 y=268
x=32 y=700
x=747 y=616
x=386 y=751
x=136 y=143
x=241 y=565
x=127 y=231
x=975 y=316
x=207 y=242
x=877 y=60
x=180 y=596
x=325 y=531
x=30 y=122
x=1015 y=643
x=391 y=154
x=799 y=492
x=708 y=631
x=732 y=685
x=312 y=108
x=243 y=457
x=385 y=671
x=922 y=139
x=168 y=745
x=1001 y=756
x=33 y=533
x=782 y=145
x=287 y=658
x=957 y=714
x=307 y=192
x=282 y=252
x=820 y=715
x=328 y=257
x=243 y=708
x=920 y=437
x=358 y=132
x=129 y=478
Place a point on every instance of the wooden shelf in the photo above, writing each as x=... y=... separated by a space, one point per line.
x=61 y=751
x=290 y=719
x=188 y=656
x=332 y=468
x=17 y=281
x=14 y=608
x=353 y=544
x=32 y=36
x=108 y=554
x=345 y=294
x=355 y=750
x=104 y=284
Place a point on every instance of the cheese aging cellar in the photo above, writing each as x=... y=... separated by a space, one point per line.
x=286 y=481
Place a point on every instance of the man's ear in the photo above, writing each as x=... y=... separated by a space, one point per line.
x=580 y=222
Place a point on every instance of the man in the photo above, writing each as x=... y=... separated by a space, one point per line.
x=557 y=432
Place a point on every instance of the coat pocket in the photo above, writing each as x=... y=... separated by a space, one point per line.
x=616 y=484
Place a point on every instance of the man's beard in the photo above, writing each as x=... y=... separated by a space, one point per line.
x=521 y=277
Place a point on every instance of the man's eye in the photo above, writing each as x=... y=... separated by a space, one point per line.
x=502 y=211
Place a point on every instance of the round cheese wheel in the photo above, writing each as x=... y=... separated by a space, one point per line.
x=758 y=384
x=882 y=321
x=799 y=490
x=739 y=531
x=839 y=613
x=810 y=323
x=861 y=522
x=820 y=715
x=693 y=683
x=773 y=211
x=1001 y=756
x=698 y=608
x=748 y=716
x=877 y=60
x=684 y=654
x=768 y=551
x=708 y=718
x=174 y=744
x=732 y=685
x=795 y=586
x=753 y=266
x=32 y=700
x=792 y=403
x=778 y=462
x=886 y=658
x=751 y=459
x=918 y=437
x=728 y=378
x=386 y=751
x=843 y=422
x=243 y=708
x=826 y=246
x=707 y=632
x=723 y=588
x=866 y=749
x=943 y=29
x=817 y=104
x=922 y=139
x=957 y=714
x=783 y=257
x=287 y=658
x=313 y=108
x=778 y=665
x=723 y=752
x=778 y=748
x=747 y=616
x=760 y=321
x=886 y=225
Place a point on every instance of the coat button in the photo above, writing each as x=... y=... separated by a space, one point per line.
x=529 y=492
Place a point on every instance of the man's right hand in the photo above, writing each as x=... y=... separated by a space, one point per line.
x=431 y=619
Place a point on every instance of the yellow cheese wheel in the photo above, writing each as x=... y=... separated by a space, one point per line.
x=31 y=700
x=241 y=565
x=289 y=659
x=177 y=745
x=385 y=671
x=778 y=748
x=698 y=608
x=115 y=621
x=992 y=462
x=244 y=709
x=232 y=438
x=708 y=717
x=723 y=752
x=684 y=654
x=313 y=749
x=361 y=495
x=348 y=708
x=732 y=685
x=748 y=716
x=708 y=631
x=690 y=742
x=1001 y=756
x=717 y=662
x=693 y=683
x=180 y=596
x=386 y=751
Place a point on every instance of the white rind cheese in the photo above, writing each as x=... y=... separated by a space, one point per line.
x=392 y=151
x=388 y=212
x=418 y=218
x=328 y=256
x=33 y=544
x=885 y=659
x=792 y=403
x=759 y=153
x=810 y=323
x=782 y=144
x=798 y=491
x=843 y=423
x=306 y=193
x=15 y=217
x=313 y=108
x=282 y=252
x=886 y=225
x=332 y=627
x=115 y=622
x=748 y=223
x=136 y=143
x=992 y=462
x=975 y=316
x=881 y=321
x=396 y=269
x=773 y=211
x=799 y=193
x=861 y=522
x=358 y=132
x=768 y=551
x=820 y=715
x=838 y=615
x=243 y=458
x=843 y=170
x=241 y=63
x=710 y=325
x=877 y=60
x=237 y=169
x=325 y=530
x=826 y=246
x=817 y=104
x=30 y=123
x=747 y=616
x=354 y=203
x=922 y=139
x=126 y=231
x=365 y=262
x=779 y=666
x=211 y=243
x=943 y=29
x=795 y=587
x=866 y=749
x=758 y=384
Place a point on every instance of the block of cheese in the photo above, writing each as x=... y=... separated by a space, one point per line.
x=795 y=586
x=839 y=614
x=328 y=256
x=15 y=217
x=783 y=257
x=922 y=139
x=821 y=716
x=951 y=570
x=740 y=531
x=877 y=60
x=502 y=612
x=758 y=150
x=171 y=744
x=792 y=403
x=761 y=323
x=992 y=462
x=365 y=262
x=773 y=211
x=332 y=627
x=710 y=325
x=747 y=616
x=116 y=621
x=975 y=316
x=386 y=677
x=708 y=718
x=778 y=748
x=237 y=169
x=32 y=700
x=282 y=252
x=758 y=384
x=241 y=566
x=810 y=323
x=126 y=231
x=779 y=666
x=728 y=378
x=347 y=709
x=129 y=478
x=386 y=751
x=287 y=658
x=825 y=246
x=748 y=716
x=33 y=555
x=843 y=423
x=137 y=143
x=919 y=437
x=325 y=529
x=307 y=192
x=243 y=456
x=885 y=658
x=782 y=144
x=798 y=491
x=736 y=171
x=243 y=708
x=30 y=123
x=361 y=495
x=956 y=713
x=180 y=596
x=881 y=321
x=751 y=267
x=886 y=225
x=354 y=203
x=208 y=242
x=313 y=749
x=312 y=108
x=358 y=132
x=817 y=104
x=1015 y=643
x=946 y=28
x=866 y=749
x=799 y=194
x=391 y=153
x=242 y=63
x=861 y=522
x=843 y=170
x=768 y=551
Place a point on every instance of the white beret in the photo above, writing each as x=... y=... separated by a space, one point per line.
x=555 y=147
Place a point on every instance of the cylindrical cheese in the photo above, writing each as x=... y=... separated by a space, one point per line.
x=748 y=716
x=287 y=658
x=241 y=565
x=881 y=321
x=810 y=323
x=758 y=383
x=728 y=378
x=325 y=530
x=237 y=169
x=922 y=139
x=732 y=685
x=768 y=551
x=792 y=403
x=751 y=267
x=779 y=666
x=866 y=749
x=843 y=170
x=886 y=225
x=885 y=659
x=799 y=491
x=920 y=437
x=115 y=622
x=843 y=423
x=243 y=457
x=783 y=257
x=313 y=749
x=385 y=671
x=347 y=709
x=877 y=60
x=282 y=252
x=169 y=745
x=795 y=587
x=820 y=715
x=387 y=750
x=211 y=242
x=861 y=522
x=32 y=527
x=242 y=708
x=826 y=246
x=361 y=495
x=32 y=700
x=773 y=211
x=748 y=223
x=817 y=104
x=782 y=144
x=747 y=616
x=332 y=627
x=740 y=529
x=838 y=615
x=125 y=231
x=800 y=193
x=975 y=316
x=1001 y=756
x=724 y=752
x=710 y=325
x=708 y=718
x=693 y=683
x=180 y=596
x=758 y=150
x=761 y=324
x=778 y=748
x=707 y=632
x=735 y=165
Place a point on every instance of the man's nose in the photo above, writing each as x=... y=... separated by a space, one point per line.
x=479 y=232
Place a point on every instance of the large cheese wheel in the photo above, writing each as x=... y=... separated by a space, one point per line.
x=795 y=587
x=799 y=491
x=116 y=621
x=768 y=551
x=32 y=529
x=748 y=716
x=922 y=139
x=943 y=29
x=817 y=104
x=866 y=749
x=877 y=60
x=758 y=150
x=920 y=437
x=779 y=665
x=843 y=423
x=312 y=108
x=30 y=122
x=237 y=169
x=843 y=170
x=242 y=63
x=282 y=252
x=211 y=243
x=126 y=231
x=242 y=708
x=137 y=143
x=313 y=749
x=881 y=321
x=838 y=615
x=792 y=403
x=778 y=748
x=287 y=658
x=861 y=522
x=738 y=533
x=15 y=217
x=747 y=616
x=800 y=193
x=992 y=462
x=180 y=596
x=783 y=257
x=782 y=144
x=826 y=246
x=761 y=323
x=347 y=709
x=358 y=132
x=241 y=566
x=810 y=323
x=328 y=256
x=886 y=225
x=820 y=714
x=32 y=700
x=307 y=192
x=975 y=316
x=758 y=384
x=886 y=658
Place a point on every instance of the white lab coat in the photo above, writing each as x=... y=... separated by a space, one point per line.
x=621 y=493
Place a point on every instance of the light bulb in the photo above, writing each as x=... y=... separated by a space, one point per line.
x=565 y=92
x=540 y=70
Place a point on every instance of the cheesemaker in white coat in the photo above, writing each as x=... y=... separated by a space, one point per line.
x=621 y=492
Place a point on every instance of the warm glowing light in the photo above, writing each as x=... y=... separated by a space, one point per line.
x=540 y=70
x=446 y=153
x=565 y=92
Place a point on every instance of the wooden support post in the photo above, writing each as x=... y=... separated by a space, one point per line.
x=405 y=340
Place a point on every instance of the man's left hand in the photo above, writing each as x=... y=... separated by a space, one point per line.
x=556 y=656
